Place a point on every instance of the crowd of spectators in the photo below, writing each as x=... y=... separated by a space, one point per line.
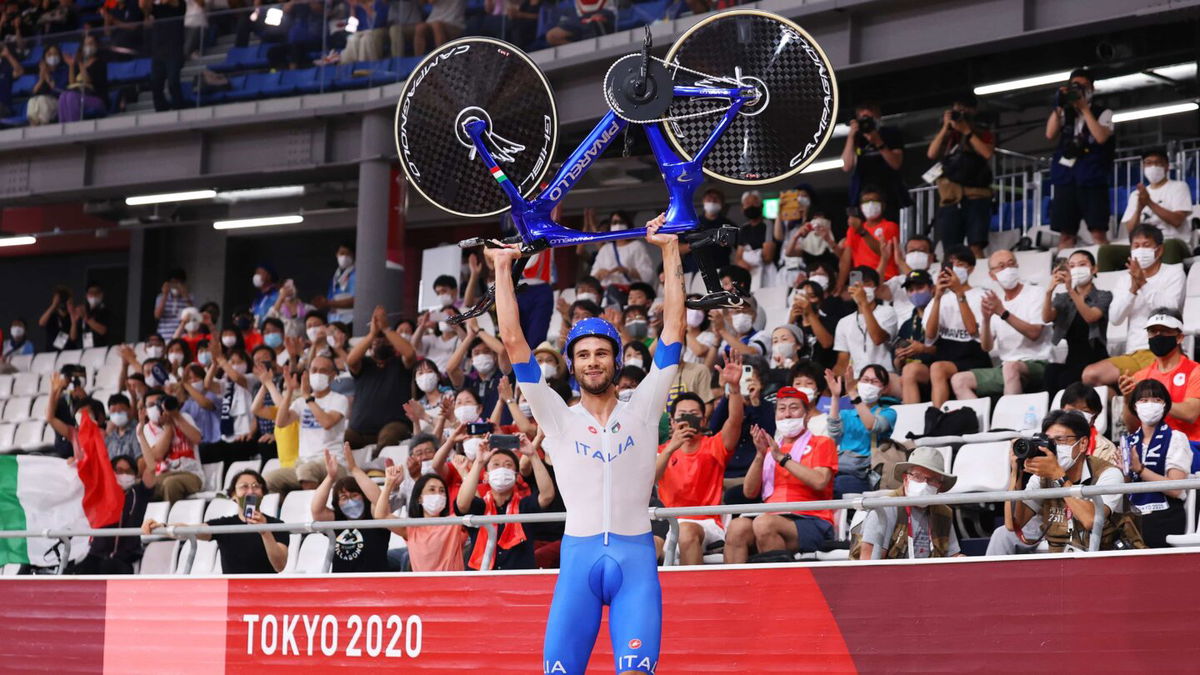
x=782 y=400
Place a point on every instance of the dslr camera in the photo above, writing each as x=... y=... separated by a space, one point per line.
x=866 y=124
x=1032 y=446
x=958 y=115
x=1067 y=95
x=692 y=420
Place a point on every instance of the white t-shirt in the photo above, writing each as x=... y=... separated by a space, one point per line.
x=950 y=320
x=1172 y=195
x=185 y=460
x=632 y=256
x=851 y=336
x=438 y=349
x=1165 y=289
x=313 y=437
x=1179 y=452
x=1009 y=343
x=1105 y=119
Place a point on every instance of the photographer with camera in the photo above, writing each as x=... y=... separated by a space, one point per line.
x=1081 y=171
x=690 y=469
x=1056 y=458
x=962 y=176
x=169 y=438
x=873 y=155
x=68 y=395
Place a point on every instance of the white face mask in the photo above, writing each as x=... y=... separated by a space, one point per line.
x=695 y=317
x=175 y=358
x=192 y=326
x=502 y=479
x=153 y=413
x=590 y=297
x=549 y=370
x=466 y=413
x=446 y=299
x=18 y=332
x=471 y=447
x=810 y=393
x=618 y=227
x=354 y=508
x=742 y=323
x=445 y=328
x=711 y=209
x=484 y=363
x=804 y=201
x=869 y=392
x=625 y=395
x=1143 y=256
x=319 y=381
x=427 y=467
x=636 y=363
x=872 y=210
x=52 y=61
x=1064 y=453
x=1008 y=278
x=119 y=419
x=961 y=273
x=918 y=260
x=93 y=301
x=820 y=280
x=1080 y=276
x=917 y=488
x=1150 y=412
x=783 y=350
x=1154 y=174
x=126 y=480
x=869 y=291
x=154 y=351
x=790 y=427
x=344 y=261
x=433 y=503
x=228 y=340
x=312 y=333
x=427 y=382
x=526 y=410
x=257 y=280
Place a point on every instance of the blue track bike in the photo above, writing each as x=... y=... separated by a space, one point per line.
x=743 y=96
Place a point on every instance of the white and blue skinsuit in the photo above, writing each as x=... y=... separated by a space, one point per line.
x=605 y=474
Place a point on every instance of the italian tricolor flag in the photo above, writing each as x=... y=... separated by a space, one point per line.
x=39 y=493
x=498 y=174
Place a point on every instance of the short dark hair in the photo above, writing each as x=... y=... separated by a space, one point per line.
x=633 y=373
x=177 y=274
x=966 y=98
x=879 y=371
x=264 y=348
x=587 y=306
x=317 y=314
x=590 y=282
x=124 y=458
x=117 y=399
x=1149 y=388
x=1084 y=73
x=809 y=368
x=873 y=106
x=1079 y=393
x=347 y=244
x=872 y=189
x=1156 y=151
x=423 y=438
x=921 y=237
x=642 y=309
x=713 y=191
x=446 y=280
x=246 y=472
x=642 y=351
x=868 y=274
x=964 y=254
x=272 y=321
x=96 y=285
x=687 y=396
x=1087 y=254
x=1147 y=231
x=738 y=275
x=644 y=288
x=415 y=510
x=509 y=453
x=1074 y=421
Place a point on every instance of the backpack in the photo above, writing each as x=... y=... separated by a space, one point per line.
x=940 y=422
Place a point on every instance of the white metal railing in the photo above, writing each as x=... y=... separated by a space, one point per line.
x=671 y=515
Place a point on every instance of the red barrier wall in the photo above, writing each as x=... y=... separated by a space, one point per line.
x=1065 y=614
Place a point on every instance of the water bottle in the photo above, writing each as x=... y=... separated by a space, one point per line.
x=1031 y=421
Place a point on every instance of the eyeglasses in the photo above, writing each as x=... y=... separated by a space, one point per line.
x=933 y=480
x=1064 y=440
x=246 y=487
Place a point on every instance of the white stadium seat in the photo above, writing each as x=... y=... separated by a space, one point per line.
x=909 y=417
x=22 y=363
x=6 y=385
x=43 y=364
x=47 y=383
x=981 y=467
x=8 y=431
x=159 y=557
x=93 y=359
x=270 y=504
x=1034 y=266
x=310 y=559
x=29 y=434
x=68 y=357
x=1012 y=411
x=220 y=508
x=981 y=406
x=269 y=466
x=297 y=507
x=397 y=453
x=190 y=511
x=17 y=409
x=156 y=511
x=38 y=410
x=108 y=376
x=1106 y=281
x=206 y=557
x=48 y=435
x=26 y=384
x=1193 y=281
x=235 y=467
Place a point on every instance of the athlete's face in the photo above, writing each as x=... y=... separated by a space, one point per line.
x=595 y=364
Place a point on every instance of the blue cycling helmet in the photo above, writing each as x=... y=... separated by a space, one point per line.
x=593 y=327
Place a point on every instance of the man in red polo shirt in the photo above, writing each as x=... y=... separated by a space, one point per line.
x=1180 y=374
x=865 y=237
x=691 y=466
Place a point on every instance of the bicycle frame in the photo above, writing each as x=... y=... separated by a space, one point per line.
x=682 y=177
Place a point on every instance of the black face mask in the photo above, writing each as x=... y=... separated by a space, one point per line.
x=1161 y=345
x=753 y=212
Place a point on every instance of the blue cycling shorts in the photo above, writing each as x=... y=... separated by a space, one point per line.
x=622 y=575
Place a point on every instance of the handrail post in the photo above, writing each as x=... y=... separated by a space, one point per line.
x=191 y=554
x=64 y=556
x=330 y=544
x=671 y=549
x=489 y=551
x=1097 y=524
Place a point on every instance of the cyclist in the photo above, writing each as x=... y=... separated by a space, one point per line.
x=604 y=453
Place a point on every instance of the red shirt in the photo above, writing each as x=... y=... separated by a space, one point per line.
x=862 y=255
x=252 y=339
x=788 y=488
x=193 y=341
x=695 y=478
x=1183 y=383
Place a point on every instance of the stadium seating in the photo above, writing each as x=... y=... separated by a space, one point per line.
x=311 y=558
x=1020 y=412
x=159 y=557
x=981 y=406
x=270 y=504
x=6 y=386
x=269 y=466
x=17 y=409
x=981 y=467
x=26 y=384
x=8 y=432
x=155 y=511
x=234 y=467
x=43 y=363
x=910 y=417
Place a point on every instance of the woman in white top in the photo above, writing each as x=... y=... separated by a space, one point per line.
x=437 y=339
x=622 y=262
x=952 y=324
x=426 y=407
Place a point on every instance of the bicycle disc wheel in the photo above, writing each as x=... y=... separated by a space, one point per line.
x=786 y=128
x=484 y=79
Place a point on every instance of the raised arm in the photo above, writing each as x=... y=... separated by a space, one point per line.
x=506 y=304
x=673 y=292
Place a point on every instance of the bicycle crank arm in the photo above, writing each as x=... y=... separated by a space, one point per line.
x=489 y=297
x=717 y=300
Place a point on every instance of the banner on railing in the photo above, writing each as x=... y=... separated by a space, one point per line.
x=1053 y=613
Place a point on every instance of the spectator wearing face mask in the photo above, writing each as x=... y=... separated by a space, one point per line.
x=866 y=335
x=57 y=319
x=170 y=303
x=1158 y=201
x=94 y=319
x=786 y=343
x=321 y=413
x=817 y=327
x=52 y=80
x=68 y=396
x=272 y=334
x=485 y=371
x=424 y=409
x=289 y=308
x=895 y=532
x=120 y=437
x=1179 y=374
x=169 y=437
x=1149 y=285
x=1079 y=315
x=807 y=239
x=430 y=548
x=756 y=248
x=202 y=404
x=16 y=343
x=1013 y=325
x=1084 y=400
x=339 y=299
x=757 y=411
x=514 y=550
x=952 y=324
x=857 y=430
x=711 y=217
x=912 y=356
x=118 y=555
x=355 y=550
x=962 y=149
x=227 y=378
x=1158 y=451
x=1081 y=171
x=807 y=377
x=553 y=367
x=736 y=329
x=917 y=256
x=265 y=291
x=634 y=324
x=873 y=155
x=624 y=261
x=382 y=383
x=191 y=331
x=792 y=466
x=436 y=338
x=866 y=237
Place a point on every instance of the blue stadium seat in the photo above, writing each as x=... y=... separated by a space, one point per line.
x=19 y=119
x=403 y=66
x=127 y=72
x=33 y=57
x=23 y=85
x=253 y=86
x=243 y=58
x=364 y=74
x=69 y=47
x=290 y=82
x=642 y=13
x=322 y=80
